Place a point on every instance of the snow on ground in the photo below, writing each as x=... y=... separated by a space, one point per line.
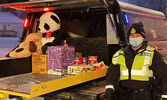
x=7 y=44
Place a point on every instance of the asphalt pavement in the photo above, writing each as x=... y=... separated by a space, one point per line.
x=7 y=44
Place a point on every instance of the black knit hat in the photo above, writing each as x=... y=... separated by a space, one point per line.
x=136 y=28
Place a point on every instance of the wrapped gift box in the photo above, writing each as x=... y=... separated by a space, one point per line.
x=59 y=58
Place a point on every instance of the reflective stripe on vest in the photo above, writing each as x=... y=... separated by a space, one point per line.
x=140 y=67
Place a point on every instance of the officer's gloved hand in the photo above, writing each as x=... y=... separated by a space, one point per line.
x=109 y=94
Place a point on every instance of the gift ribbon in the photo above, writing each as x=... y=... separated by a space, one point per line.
x=48 y=35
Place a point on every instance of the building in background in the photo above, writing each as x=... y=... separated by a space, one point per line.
x=10 y=25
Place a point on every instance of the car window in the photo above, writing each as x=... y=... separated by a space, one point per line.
x=11 y=29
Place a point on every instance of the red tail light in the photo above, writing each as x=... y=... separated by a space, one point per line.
x=25 y=23
x=46 y=9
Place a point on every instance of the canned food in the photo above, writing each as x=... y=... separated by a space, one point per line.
x=78 y=60
x=84 y=60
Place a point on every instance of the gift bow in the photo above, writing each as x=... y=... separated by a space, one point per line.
x=48 y=35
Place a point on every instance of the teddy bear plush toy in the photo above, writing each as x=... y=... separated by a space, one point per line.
x=49 y=26
x=31 y=45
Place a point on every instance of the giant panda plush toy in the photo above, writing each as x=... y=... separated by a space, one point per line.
x=50 y=27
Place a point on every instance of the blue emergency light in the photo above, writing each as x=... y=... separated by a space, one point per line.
x=126 y=18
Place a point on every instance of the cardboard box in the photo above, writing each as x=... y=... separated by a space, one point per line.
x=77 y=69
x=59 y=58
x=92 y=59
x=39 y=64
x=78 y=54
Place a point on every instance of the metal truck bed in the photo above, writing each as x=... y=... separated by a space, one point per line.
x=31 y=85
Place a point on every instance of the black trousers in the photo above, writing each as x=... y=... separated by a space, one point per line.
x=134 y=95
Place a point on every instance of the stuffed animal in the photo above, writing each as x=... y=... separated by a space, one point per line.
x=50 y=27
x=31 y=45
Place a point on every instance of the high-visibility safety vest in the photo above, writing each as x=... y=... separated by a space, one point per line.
x=140 y=68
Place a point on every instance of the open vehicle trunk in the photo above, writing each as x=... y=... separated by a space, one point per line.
x=83 y=23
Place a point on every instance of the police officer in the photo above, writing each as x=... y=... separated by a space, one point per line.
x=136 y=69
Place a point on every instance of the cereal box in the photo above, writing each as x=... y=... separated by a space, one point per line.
x=77 y=69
